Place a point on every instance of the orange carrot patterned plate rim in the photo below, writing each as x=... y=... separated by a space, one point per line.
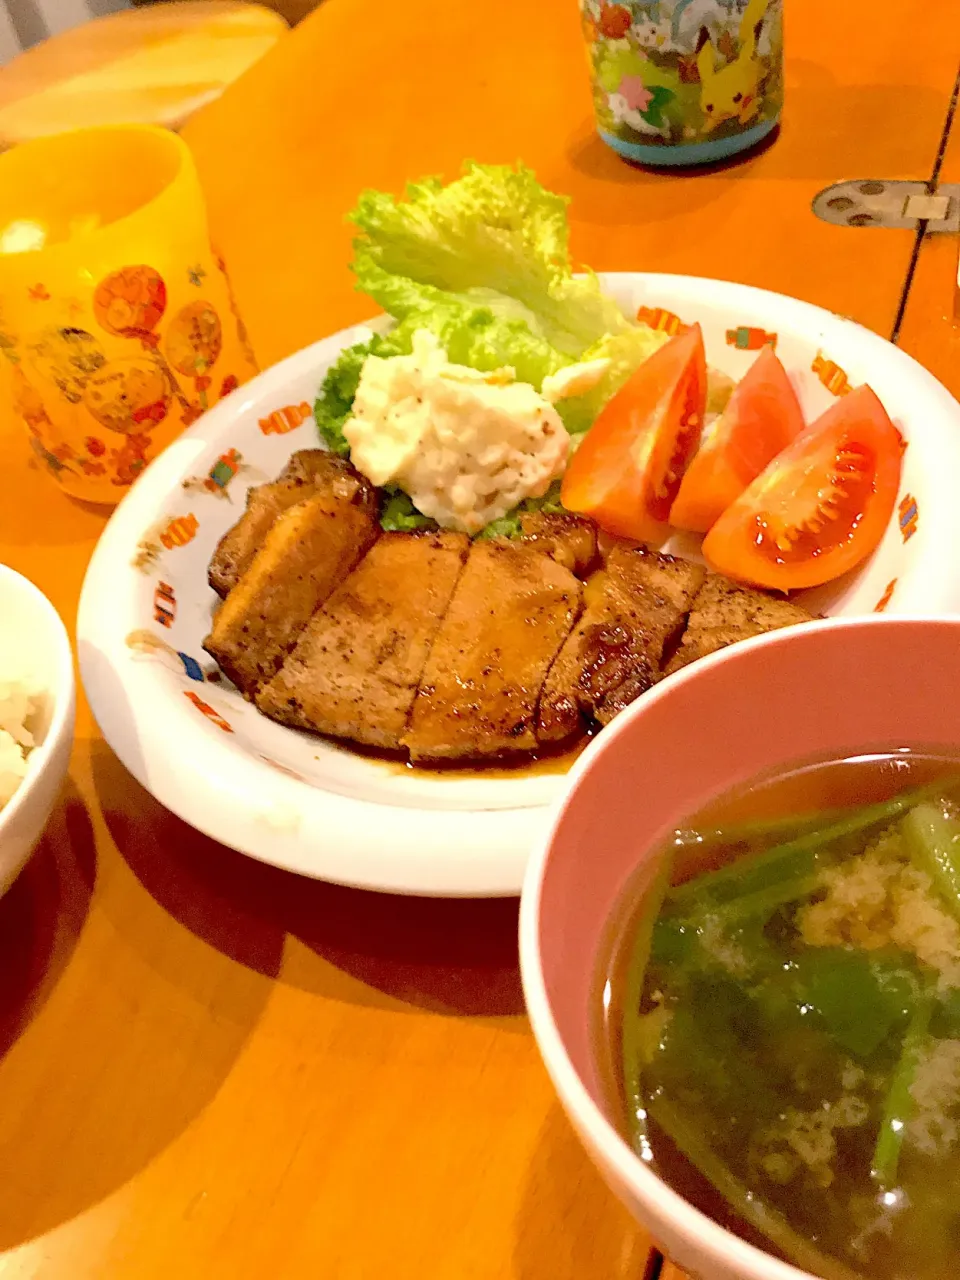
x=322 y=810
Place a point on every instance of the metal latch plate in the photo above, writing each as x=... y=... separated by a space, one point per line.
x=875 y=202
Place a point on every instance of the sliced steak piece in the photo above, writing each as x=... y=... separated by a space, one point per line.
x=724 y=613
x=510 y=613
x=321 y=465
x=308 y=552
x=355 y=670
x=634 y=608
x=307 y=470
x=571 y=540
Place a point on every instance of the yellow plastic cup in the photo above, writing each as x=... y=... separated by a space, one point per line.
x=117 y=326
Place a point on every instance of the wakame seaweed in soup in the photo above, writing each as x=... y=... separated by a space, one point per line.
x=786 y=1017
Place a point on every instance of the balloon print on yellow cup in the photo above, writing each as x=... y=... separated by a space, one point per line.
x=117 y=327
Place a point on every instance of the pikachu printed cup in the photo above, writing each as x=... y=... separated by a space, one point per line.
x=117 y=326
x=682 y=82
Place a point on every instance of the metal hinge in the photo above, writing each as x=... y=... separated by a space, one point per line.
x=873 y=202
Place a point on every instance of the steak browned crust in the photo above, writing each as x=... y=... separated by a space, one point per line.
x=634 y=608
x=724 y=613
x=308 y=552
x=511 y=611
x=570 y=540
x=452 y=650
x=307 y=470
x=355 y=670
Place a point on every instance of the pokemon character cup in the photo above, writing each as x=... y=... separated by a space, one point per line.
x=117 y=327
x=679 y=82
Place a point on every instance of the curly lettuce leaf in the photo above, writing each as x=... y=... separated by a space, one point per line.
x=400 y=296
x=330 y=425
x=332 y=407
x=475 y=337
x=626 y=352
x=493 y=237
x=399 y=515
x=509 y=526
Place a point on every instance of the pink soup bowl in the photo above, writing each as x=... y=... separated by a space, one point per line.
x=835 y=688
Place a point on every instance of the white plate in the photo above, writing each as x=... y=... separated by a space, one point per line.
x=321 y=810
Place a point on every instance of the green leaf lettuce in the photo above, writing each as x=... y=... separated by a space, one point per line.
x=626 y=352
x=493 y=237
x=399 y=515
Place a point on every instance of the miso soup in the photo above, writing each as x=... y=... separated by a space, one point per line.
x=781 y=1016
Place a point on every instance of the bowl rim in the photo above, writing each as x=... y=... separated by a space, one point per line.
x=62 y=690
x=719 y=1243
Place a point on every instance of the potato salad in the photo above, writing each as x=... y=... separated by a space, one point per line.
x=466 y=446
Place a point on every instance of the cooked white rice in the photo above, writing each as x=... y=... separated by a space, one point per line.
x=19 y=701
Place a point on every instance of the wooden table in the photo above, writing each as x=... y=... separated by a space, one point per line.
x=154 y=65
x=215 y=1070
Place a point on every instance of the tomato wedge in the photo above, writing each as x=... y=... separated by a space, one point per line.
x=762 y=416
x=820 y=507
x=626 y=472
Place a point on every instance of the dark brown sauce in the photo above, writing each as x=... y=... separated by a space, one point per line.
x=541 y=763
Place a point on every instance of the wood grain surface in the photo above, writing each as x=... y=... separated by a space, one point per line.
x=214 y=1070
x=154 y=65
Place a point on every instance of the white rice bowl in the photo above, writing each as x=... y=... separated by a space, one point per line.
x=20 y=701
x=37 y=711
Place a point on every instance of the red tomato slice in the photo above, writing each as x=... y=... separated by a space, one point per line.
x=626 y=472
x=761 y=418
x=820 y=507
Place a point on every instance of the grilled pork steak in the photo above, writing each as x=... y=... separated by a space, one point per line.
x=453 y=650
x=355 y=670
x=308 y=552
x=724 y=613
x=308 y=470
x=511 y=611
x=570 y=540
x=635 y=606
